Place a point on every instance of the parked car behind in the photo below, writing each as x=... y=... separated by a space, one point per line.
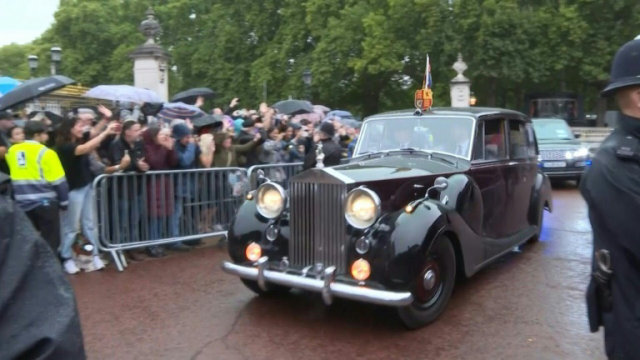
x=562 y=155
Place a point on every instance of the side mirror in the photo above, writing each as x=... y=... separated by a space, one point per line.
x=260 y=178
x=441 y=184
x=577 y=135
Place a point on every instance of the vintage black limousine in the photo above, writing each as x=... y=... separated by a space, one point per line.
x=426 y=197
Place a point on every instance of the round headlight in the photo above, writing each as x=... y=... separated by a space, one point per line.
x=362 y=208
x=270 y=200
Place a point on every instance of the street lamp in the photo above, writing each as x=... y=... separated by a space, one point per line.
x=32 y=60
x=56 y=57
x=306 y=79
x=473 y=100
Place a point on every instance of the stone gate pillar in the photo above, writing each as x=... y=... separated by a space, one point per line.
x=150 y=60
x=460 y=85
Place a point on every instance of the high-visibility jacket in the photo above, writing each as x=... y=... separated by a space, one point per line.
x=37 y=176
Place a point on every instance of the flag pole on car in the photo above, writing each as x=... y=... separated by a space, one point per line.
x=424 y=96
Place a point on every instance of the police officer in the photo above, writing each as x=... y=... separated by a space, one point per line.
x=611 y=188
x=39 y=183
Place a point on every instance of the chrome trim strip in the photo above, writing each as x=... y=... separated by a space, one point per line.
x=330 y=288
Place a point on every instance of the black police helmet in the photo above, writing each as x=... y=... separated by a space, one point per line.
x=625 y=69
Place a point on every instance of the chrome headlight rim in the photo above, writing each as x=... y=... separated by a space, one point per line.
x=357 y=223
x=258 y=198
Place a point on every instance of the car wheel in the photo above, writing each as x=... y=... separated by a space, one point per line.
x=272 y=290
x=578 y=179
x=433 y=286
x=536 y=237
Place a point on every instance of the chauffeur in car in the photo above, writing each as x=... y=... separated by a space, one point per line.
x=403 y=218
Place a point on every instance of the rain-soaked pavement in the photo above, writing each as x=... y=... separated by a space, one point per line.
x=527 y=305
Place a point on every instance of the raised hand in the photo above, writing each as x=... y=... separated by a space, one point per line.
x=142 y=165
x=105 y=111
x=125 y=161
x=114 y=128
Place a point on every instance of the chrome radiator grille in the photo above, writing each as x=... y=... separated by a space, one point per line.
x=553 y=154
x=317 y=225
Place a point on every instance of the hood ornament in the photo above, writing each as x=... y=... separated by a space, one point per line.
x=319 y=156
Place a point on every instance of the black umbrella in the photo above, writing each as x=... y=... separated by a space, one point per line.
x=32 y=89
x=55 y=118
x=190 y=96
x=293 y=107
x=207 y=120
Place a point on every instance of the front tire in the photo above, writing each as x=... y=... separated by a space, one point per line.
x=536 y=237
x=272 y=290
x=433 y=286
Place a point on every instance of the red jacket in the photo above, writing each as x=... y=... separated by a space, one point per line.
x=159 y=187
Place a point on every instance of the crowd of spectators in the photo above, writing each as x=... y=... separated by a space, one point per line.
x=93 y=141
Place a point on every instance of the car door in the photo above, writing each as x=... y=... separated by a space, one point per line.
x=487 y=169
x=519 y=176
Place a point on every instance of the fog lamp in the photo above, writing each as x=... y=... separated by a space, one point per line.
x=253 y=252
x=360 y=270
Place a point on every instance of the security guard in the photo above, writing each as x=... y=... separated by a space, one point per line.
x=611 y=188
x=38 y=180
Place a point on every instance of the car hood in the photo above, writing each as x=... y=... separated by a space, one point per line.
x=559 y=144
x=396 y=167
x=397 y=179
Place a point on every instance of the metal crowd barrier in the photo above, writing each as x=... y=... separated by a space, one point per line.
x=592 y=134
x=279 y=173
x=136 y=210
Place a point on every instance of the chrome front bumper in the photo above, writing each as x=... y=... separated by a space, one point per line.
x=327 y=286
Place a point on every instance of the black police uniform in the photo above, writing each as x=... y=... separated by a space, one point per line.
x=611 y=188
x=38 y=316
x=332 y=155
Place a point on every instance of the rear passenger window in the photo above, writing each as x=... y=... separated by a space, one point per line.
x=517 y=140
x=494 y=140
x=478 y=142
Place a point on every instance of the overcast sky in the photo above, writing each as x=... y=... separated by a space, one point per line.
x=22 y=21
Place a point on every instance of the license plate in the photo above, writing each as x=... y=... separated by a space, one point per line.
x=554 y=164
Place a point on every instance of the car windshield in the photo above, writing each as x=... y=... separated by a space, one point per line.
x=552 y=129
x=445 y=134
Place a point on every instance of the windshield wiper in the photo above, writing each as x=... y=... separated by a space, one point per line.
x=444 y=158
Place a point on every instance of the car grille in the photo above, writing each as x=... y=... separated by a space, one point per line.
x=553 y=154
x=317 y=225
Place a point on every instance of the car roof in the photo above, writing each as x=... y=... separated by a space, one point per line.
x=468 y=111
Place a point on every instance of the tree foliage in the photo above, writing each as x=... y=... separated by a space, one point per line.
x=365 y=55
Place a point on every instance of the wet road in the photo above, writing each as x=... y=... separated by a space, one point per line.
x=527 y=305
